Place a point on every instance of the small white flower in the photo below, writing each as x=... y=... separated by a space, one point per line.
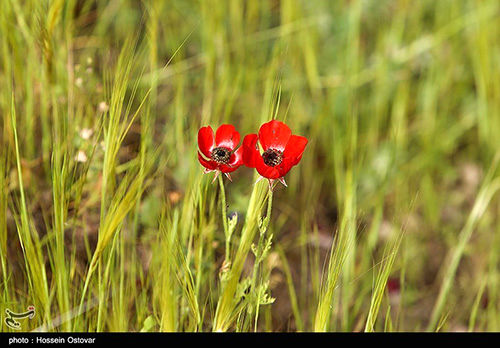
x=81 y=157
x=86 y=133
x=103 y=106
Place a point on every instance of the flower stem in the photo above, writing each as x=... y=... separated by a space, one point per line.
x=226 y=304
x=224 y=216
x=259 y=257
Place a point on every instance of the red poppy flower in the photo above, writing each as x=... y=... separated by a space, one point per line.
x=219 y=153
x=281 y=150
x=393 y=285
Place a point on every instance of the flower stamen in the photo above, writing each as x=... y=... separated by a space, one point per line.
x=272 y=157
x=221 y=155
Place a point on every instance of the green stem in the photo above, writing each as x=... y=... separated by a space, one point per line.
x=269 y=206
x=226 y=304
x=260 y=250
x=224 y=215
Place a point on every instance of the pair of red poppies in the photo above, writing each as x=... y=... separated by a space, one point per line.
x=281 y=150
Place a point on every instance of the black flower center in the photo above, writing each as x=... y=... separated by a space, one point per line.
x=221 y=155
x=272 y=157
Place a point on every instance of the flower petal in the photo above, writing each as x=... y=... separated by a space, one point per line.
x=236 y=157
x=250 y=152
x=211 y=165
x=285 y=166
x=206 y=140
x=274 y=135
x=227 y=136
x=294 y=148
x=266 y=171
x=235 y=161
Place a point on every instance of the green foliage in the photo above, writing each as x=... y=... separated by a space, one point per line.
x=108 y=223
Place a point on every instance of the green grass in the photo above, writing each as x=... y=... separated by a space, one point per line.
x=108 y=223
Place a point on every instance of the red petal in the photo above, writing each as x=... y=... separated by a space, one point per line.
x=227 y=136
x=285 y=166
x=206 y=140
x=274 y=135
x=292 y=154
x=267 y=171
x=237 y=157
x=235 y=162
x=295 y=148
x=250 y=152
x=263 y=169
x=207 y=164
x=227 y=169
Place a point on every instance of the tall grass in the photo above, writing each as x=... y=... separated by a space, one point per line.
x=108 y=223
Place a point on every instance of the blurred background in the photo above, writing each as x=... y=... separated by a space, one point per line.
x=100 y=105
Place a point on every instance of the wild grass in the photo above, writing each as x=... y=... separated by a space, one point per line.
x=389 y=223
